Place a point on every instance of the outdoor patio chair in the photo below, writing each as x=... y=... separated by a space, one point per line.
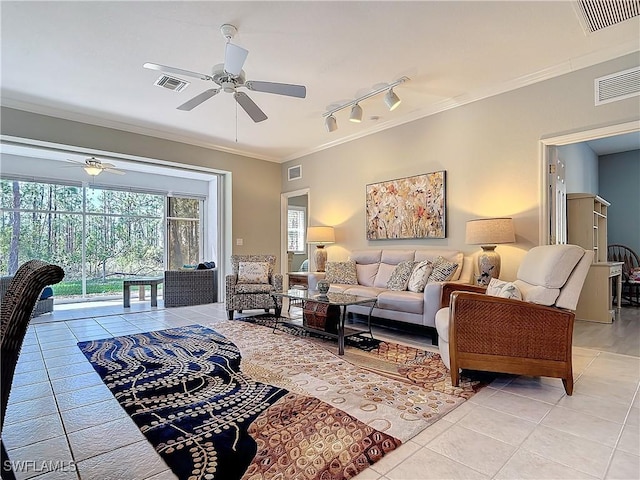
x=16 y=310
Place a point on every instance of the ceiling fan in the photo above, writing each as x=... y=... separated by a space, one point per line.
x=95 y=167
x=229 y=76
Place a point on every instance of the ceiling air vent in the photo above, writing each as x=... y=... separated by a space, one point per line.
x=618 y=86
x=171 y=83
x=599 y=14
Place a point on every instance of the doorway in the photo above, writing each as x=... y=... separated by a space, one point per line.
x=295 y=219
x=552 y=217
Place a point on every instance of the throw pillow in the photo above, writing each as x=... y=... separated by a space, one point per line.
x=400 y=276
x=419 y=276
x=494 y=287
x=499 y=288
x=253 y=272
x=442 y=271
x=341 y=272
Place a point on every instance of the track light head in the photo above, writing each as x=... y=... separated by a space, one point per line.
x=391 y=99
x=356 y=114
x=331 y=123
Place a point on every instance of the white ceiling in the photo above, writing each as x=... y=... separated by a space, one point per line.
x=83 y=61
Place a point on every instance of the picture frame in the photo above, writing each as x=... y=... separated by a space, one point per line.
x=407 y=208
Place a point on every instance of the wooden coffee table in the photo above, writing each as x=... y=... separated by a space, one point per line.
x=342 y=300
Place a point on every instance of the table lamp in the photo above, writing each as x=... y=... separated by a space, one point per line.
x=488 y=232
x=320 y=236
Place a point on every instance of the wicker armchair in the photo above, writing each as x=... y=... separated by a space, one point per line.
x=532 y=336
x=190 y=287
x=250 y=296
x=43 y=305
x=16 y=310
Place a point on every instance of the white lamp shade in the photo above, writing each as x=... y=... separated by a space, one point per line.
x=490 y=231
x=320 y=235
x=93 y=171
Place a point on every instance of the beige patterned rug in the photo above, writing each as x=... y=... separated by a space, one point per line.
x=398 y=390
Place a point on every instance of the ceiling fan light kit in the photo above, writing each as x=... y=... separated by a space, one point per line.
x=95 y=167
x=391 y=100
x=229 y=77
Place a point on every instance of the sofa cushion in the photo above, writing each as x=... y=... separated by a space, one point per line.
x=342 y=272
x=367 y=273
x=253 y=272
x=394 y=257
x=366 y=256
x=385 y=270
x=362 y=290
x=47 y=292
x=419 y=276
x=408 y=302
x=442 y=324
x=443 y=270
x=400 y=276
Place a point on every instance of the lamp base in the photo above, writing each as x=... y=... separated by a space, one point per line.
x=488 y=265
x=320 y=258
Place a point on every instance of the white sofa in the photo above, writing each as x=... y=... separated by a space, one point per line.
x=374 y=268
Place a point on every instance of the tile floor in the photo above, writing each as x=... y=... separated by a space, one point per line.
x=63 y=423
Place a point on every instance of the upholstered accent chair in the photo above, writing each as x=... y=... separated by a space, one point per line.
x=16 y=310
x=532 y=336
x=251 y=284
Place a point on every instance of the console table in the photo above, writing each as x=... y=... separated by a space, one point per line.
x=595 y=303
x=153 y=282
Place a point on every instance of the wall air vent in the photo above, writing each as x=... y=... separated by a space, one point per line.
x=617 y=86
x=599 y=14
x=171 y=83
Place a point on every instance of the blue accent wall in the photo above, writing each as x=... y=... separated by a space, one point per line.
x=619 y=183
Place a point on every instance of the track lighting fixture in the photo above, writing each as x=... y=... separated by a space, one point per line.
x=390 y=99
x=356 y=114
x=331 y=123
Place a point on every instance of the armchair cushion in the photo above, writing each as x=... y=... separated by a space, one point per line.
x=253 y=272
x=254 y=288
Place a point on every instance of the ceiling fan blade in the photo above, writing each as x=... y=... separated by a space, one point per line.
x=198 y=99
x=234 y=57
x=113 y=170
x=250 y=107
x=288 y=89
x=177 y=71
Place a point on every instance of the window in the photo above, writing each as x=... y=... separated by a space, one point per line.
x=183 y=232
x=296 y=229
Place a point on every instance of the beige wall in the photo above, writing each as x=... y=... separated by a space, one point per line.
x=490 y=150
x=254 y=186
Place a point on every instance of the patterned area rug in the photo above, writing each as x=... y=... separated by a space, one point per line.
x=242 y=402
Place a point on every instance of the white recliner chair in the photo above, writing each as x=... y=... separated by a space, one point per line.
x=531 y=336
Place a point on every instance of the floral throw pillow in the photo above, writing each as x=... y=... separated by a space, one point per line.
x=419 y=276
x=342 y=272
x=442 y=271
x=253 y=272
x=400 y=276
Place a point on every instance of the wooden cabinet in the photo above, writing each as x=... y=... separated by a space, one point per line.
x=587 y=223
x=587 y=227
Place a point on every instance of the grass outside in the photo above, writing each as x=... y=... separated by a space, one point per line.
x=73 y=288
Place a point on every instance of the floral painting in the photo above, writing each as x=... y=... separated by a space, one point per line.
x=411 y=207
